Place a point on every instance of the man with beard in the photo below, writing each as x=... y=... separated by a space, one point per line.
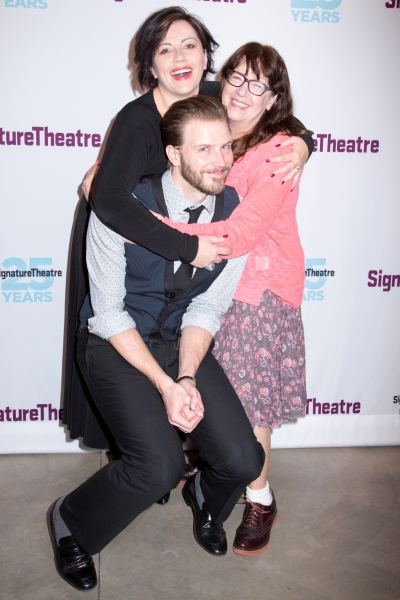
x=148 y=361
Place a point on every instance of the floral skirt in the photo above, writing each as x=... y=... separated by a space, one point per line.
x=261 y=349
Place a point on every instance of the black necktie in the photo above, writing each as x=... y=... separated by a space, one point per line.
x=183 y=275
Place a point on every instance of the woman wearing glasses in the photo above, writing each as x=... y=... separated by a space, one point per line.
x=173 y=53
x=261 y=341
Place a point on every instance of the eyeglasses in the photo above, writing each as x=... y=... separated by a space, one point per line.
x=257 y=88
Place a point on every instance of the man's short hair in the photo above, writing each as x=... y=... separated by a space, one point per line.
x=197 y=108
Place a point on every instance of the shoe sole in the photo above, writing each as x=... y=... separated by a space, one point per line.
x=189 y=503
x=52 y=535
x=254 y=552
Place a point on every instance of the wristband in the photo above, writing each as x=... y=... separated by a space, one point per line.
x=192 y=379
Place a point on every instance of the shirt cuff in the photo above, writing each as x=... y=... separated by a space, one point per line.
x=210 y=323
x=108 y=323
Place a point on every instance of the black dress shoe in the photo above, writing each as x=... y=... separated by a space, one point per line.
x=164 y=499
x=209 y=535
x=73 y=564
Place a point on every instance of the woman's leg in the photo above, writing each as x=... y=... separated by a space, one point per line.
x=263 y=435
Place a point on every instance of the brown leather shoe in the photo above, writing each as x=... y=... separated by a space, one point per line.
x=252 y=535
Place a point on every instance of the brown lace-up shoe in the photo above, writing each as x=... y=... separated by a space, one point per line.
x=252 y=535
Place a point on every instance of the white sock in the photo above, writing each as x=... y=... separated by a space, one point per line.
x=263 y=496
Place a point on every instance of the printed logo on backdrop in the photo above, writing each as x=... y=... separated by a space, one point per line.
x=316 y=11
x=392 y=4
x=25 y=4
x=385 y=282
x=325 y=142
x=332 y=408
x=42 y=412
x=316 y=279
x=27 y=283
x=41 y=136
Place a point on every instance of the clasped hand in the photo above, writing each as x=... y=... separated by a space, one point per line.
x=183 y=405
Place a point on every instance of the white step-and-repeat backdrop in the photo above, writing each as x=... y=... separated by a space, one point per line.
x=65 y=73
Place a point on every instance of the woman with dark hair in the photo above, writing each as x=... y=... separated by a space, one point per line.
x=173 y=53
x=261 y=341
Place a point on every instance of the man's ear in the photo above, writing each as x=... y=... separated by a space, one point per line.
x=173 y=155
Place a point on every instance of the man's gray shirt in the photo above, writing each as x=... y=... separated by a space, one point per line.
x=106 y=262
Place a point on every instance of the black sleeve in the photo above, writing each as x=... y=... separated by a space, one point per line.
x=305 y=136
x=133 y=149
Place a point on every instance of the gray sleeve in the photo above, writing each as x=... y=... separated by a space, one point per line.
x=106 y=262
x=206 y=310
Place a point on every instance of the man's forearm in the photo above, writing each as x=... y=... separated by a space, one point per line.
x=132 y=348
x=193 y=346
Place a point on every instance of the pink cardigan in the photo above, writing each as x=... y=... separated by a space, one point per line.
x=265 y=225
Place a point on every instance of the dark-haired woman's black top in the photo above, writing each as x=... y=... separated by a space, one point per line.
x=134 y=150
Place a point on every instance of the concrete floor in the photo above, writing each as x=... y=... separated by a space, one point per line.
x=337 y=536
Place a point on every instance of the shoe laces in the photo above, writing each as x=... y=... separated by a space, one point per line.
x=254 y=508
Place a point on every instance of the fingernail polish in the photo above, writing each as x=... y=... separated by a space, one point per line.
x=267 y=160
x=278 y=146
x=225 y=236
x=273 y=175
x=282 y=182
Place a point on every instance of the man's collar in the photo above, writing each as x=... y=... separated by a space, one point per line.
x=170 y=190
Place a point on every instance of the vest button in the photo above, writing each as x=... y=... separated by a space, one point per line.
x=168 y=295
x=150 y=343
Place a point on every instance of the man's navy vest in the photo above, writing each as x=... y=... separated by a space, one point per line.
x=150 y=298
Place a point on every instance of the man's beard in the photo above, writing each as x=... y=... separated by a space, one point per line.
x=197 y=179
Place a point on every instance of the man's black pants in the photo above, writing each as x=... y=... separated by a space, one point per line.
x=152 y=459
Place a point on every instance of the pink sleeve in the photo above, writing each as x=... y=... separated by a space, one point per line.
x=252 y=218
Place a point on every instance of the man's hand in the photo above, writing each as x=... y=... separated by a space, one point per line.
x=295 y=160
x=183 y=405
x=209 y=251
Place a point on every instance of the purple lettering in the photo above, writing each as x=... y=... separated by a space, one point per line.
x=335 y=408
x=341 y=145
x=316 y=405
x=33 y=414
x=79 y=138
x=52 y=411
x=351 y=146
x=356 y=407
x=48 y=135
x=374 y=146
x=11 y=141
x=59 y=139
x=359 y=142
x=372 y=278
x=342 y=403
x=321 y=137
x=70 y=139
x=42 y=407
x=28 y=138
x=15 y=418
x=96 y=140
x=325 y=408
x=8 y=413
x=37 y=130
x=331 y=143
